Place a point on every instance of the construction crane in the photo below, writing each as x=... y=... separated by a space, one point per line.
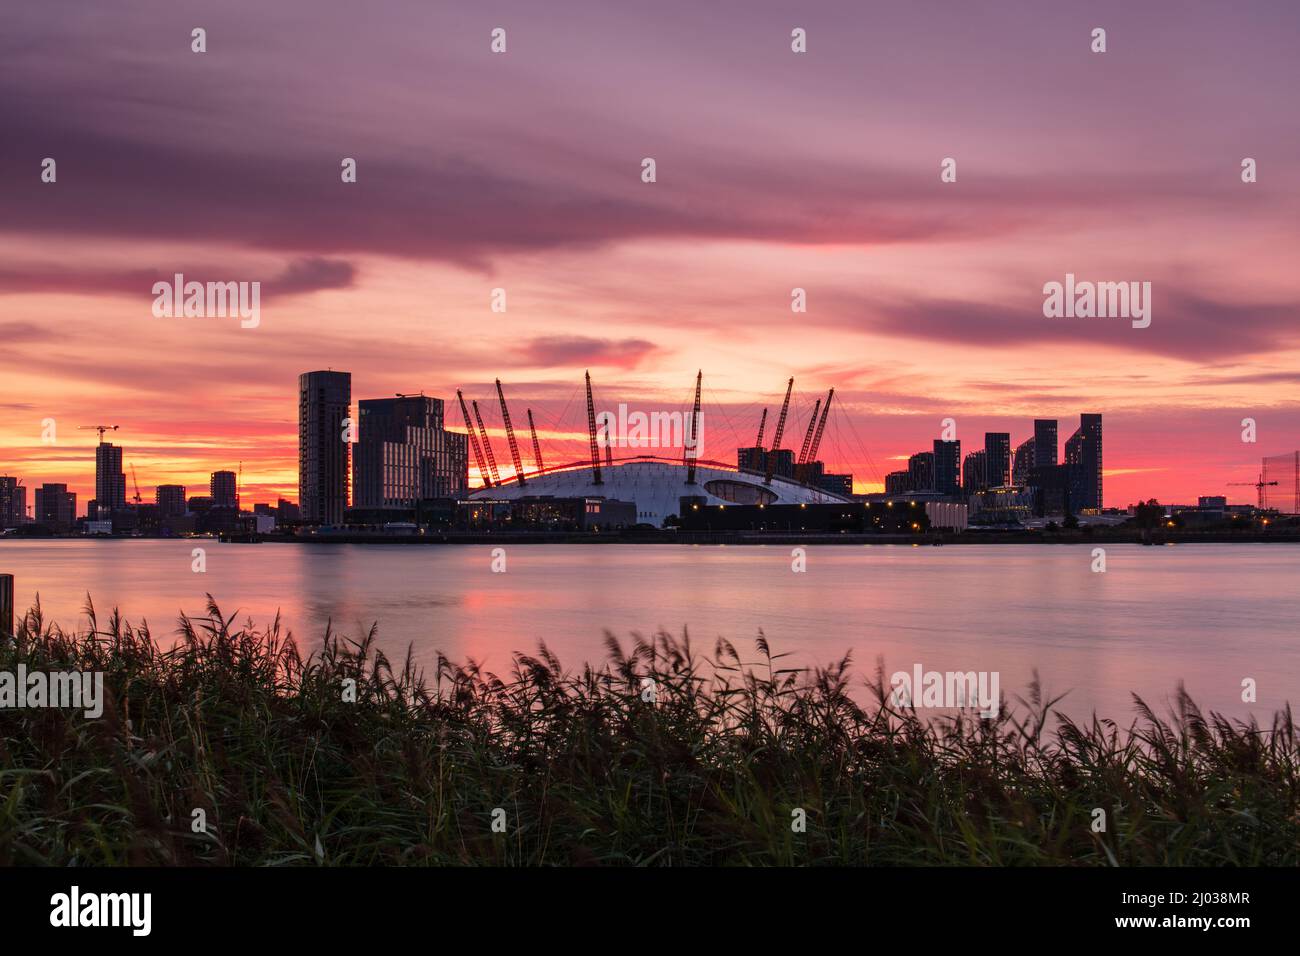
x=537 y=448
x=487 y=446
x=691 y=451
x=1259 y=485
x=800 y=465
x=135 y=481
x=101 y=429
x=473 y=440
x=591 y=434
x=510 y=436
x=780 y=429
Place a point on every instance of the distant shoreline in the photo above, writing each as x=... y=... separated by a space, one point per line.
x=1097 y=537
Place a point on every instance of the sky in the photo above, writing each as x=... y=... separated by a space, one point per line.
x=775 y=170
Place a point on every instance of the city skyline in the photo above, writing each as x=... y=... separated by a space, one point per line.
x=952 y=477
x=820 y=173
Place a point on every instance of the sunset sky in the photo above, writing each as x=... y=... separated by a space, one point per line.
x=775 y=170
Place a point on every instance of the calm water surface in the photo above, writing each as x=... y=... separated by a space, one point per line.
x=1208 y=615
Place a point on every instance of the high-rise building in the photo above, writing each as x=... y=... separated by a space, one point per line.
x=1083 y=456
x=13 y=502
x=1044 y=442
x=836 y=484
x=898 y=483
x=997 y=459
x=920 y=471
x=110 y=480
x=1051 y=486
x=973 y=471
x=404 y=454
x=947 y=466
x=324 y=451
x=1023 y=464
x=223 y=488
x=56 y=507
x=170 y=500
x=755 y=460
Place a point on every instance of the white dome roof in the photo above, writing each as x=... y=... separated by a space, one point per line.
x=656 y=486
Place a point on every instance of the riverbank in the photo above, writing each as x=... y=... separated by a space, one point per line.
x=1098 y=537
x=232 y=749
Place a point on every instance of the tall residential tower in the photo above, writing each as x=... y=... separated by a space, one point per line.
x=1044 y=442
x=1083 y=456
x=324 y=401
x=404 y=454
x=997 y=459
x=110 y=480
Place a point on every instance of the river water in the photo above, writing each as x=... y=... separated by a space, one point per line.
x=1208 y=615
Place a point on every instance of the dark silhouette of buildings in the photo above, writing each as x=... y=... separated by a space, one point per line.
x=920 y=471
x=947 y=466
x=1045 y=442
x=1051 y=487
x=973 y=471
x=755 y=460
x=223 y=488
x=404 y=454
x=110 y=480
x=324 y=402
x=13 y=502
x=1054 y=487
x=997 y=459
x=898 y=482
x=838 y=483
x=1083 y=455
x=56 y=507
x=170 y=500
x=1023 y=463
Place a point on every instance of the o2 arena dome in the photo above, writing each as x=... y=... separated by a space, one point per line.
x=654 y=483
x=658 y=485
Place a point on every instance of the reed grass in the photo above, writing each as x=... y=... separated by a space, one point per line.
x=233 y=720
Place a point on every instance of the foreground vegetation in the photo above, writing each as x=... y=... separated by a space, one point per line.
x=582 y=768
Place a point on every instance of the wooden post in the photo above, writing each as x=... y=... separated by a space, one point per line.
x=6 y=606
